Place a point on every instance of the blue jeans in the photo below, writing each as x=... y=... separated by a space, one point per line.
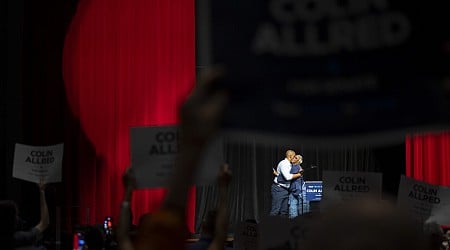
x=280 y=197
x=298 y=204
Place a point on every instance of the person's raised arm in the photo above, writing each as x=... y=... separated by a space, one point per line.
x=200 y=117
x=129 y=183
x=45 y=219
x=222 y=220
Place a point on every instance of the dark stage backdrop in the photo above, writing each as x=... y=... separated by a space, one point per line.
x=125 y=63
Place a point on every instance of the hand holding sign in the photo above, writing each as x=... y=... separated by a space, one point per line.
x=45 y=218
x=42 y=184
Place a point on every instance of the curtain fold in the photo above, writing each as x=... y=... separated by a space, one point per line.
x=428 y=157
x=126 y=63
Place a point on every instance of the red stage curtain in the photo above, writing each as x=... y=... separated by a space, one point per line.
x=428 y=157
x=126 y=63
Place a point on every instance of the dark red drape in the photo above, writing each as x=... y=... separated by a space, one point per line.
x=126 y=63
x=428 y=157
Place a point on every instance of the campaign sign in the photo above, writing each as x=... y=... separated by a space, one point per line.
x=329 y=67
x=153 y=154
x=313 y=190
x=341 y=186
x=36 y=163
x=424 y=201
x=246 y=236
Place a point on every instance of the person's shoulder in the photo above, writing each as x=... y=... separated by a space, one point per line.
x=286 y=162
x=281 y=162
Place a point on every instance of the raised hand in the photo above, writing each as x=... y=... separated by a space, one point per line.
x=129 y=179
x=42 y=184
x=202 y=111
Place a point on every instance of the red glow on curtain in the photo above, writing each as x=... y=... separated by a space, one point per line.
x=428 y=157
x=126 y=63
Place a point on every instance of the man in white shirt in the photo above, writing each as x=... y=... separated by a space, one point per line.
x=280 y=185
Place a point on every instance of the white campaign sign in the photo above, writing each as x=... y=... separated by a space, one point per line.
x=424 y=201
x=154 y=150
x=341 y=186
x=33 y=163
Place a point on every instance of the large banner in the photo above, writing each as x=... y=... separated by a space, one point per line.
x=425 y=202
x=344 y=186
x=153 y=154
x=329 y=68
x=36 y=163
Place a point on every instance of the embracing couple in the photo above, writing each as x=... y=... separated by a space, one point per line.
x=288 y=191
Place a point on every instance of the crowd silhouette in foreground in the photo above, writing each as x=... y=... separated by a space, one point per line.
x=367 y=224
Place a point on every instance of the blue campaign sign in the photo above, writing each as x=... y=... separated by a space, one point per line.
x=329 y=67
x=313 y=190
